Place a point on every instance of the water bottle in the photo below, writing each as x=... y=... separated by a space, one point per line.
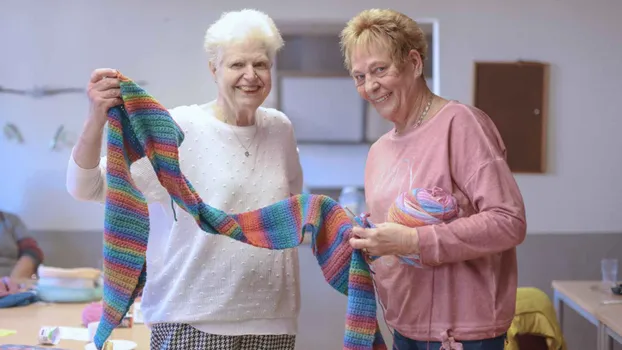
x=352 y=198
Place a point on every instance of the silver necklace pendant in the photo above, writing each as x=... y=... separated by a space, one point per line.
x=246 y=152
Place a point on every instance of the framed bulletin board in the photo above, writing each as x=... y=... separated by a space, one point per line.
x=315 y=90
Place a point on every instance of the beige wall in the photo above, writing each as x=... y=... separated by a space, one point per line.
x=58 y=43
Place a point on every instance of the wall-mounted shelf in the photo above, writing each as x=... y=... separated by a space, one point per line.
x=311 y=54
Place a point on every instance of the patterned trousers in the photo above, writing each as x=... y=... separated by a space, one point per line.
x=179 y=336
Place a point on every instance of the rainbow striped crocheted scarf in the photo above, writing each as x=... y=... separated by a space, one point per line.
x=141 y=127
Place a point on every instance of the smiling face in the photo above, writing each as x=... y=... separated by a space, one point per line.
x=243 y=76
x=380 y=81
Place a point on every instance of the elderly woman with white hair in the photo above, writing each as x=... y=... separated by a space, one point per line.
x=209 y=291
x=466 y=290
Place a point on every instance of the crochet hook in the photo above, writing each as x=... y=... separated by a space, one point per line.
x=364 y=221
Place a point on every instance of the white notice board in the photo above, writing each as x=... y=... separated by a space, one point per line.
x=323 y=109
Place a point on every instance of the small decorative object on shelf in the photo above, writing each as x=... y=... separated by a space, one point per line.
x=12 y=132
x=60 y=137
x=42 y=91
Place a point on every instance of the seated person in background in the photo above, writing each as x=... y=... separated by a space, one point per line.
x=20 y=255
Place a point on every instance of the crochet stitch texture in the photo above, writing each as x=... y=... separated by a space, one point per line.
x=142 y=127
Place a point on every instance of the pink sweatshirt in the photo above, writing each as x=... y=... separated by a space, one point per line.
x=470 y=283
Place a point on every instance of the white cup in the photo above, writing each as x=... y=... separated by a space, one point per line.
x=92 y=327
x=49 y=335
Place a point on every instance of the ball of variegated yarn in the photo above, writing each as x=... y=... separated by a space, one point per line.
x=92 y=313
x=421 y=207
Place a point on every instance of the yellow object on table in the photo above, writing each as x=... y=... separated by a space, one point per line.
x=5 y=332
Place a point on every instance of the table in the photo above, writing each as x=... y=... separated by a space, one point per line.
x=28 y=320
x=586 y=298
x=611 y=319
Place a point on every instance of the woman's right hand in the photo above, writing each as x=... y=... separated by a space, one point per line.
x=104 y=93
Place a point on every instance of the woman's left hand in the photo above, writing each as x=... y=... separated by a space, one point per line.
x=7 y=286
x=386 y=239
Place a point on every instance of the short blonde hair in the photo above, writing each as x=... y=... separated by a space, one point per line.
x=396 y=31
x=239 y=26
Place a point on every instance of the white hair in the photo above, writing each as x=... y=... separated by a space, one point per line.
x=238 y=26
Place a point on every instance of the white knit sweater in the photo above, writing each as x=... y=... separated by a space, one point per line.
x=218 y=285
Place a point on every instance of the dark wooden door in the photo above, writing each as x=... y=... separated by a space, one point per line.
x=514 y=96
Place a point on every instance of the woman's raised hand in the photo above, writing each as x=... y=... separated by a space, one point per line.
x=104 y=93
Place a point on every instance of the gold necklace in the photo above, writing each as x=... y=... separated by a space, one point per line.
x=423 y=114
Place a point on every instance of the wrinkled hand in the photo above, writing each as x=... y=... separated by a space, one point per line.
x=104 y=93
x=8 y=287
x=386 y=239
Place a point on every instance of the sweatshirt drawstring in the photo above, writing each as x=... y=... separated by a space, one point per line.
x=448 y=342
